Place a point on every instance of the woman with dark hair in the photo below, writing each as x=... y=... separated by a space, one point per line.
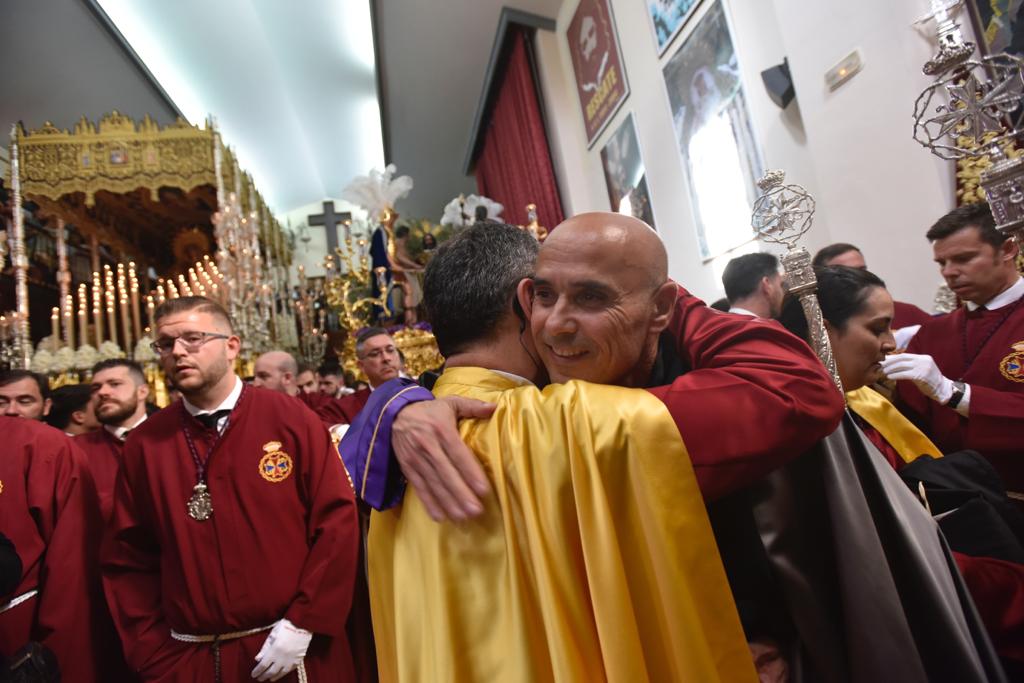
x=858 y=313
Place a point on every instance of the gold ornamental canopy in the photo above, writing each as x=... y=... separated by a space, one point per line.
x=158 y=181
x=126 y=192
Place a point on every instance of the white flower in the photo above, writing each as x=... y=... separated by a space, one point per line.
x=63 y=360
x=86 y=356
x=110 y=349
x=143 y=351
x=377 y=190
x=461 y=211
x=42 y=361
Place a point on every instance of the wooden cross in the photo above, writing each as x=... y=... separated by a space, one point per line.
x=330 y=222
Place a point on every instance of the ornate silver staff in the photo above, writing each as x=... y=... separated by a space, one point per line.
x=972 y=111
x=19 y=259
x=782 y=215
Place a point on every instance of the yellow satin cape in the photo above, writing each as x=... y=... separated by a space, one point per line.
x=909 y=441
x=594 y=559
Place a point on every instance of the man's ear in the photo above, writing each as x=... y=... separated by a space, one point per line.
x=524 y=295
x=1008 y=250
x=143 y=391
x=78 y=417
x=47 y=404
x=664 y=305
x=234 y=346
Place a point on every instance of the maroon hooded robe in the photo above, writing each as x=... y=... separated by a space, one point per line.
x=48 y=510
x=281 y=543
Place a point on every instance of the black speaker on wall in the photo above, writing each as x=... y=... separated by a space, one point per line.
x=779 y=84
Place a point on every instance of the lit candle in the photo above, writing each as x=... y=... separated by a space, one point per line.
x=111 y=319
x=83 y=320
x=126 y=322
x=150 y=308
x=97 y=307
x=133 y=282
x=110 y=297
x=68 y=315
x=55 y=325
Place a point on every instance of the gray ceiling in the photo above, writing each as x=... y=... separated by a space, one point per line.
x=61 y=63
x=433 y=55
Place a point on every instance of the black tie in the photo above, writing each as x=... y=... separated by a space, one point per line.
x=210 y=420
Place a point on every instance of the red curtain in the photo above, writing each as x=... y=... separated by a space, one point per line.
x=514 y=166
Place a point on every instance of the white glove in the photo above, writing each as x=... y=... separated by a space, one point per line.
x=922 y=371
x=282 y=651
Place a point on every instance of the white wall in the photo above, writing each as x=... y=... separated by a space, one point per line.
x=850 y=148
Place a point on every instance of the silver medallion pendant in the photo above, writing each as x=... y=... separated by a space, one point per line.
x=200 y=506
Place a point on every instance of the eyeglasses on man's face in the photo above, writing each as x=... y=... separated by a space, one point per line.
x=190 y=341
x=376 y=354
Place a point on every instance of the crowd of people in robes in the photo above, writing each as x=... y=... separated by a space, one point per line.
x=608 y=479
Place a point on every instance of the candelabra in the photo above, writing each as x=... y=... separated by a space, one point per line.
x=19 y=259
x=11 y=353
x=352 y=287
x=311 y=321
x=238 y=257
x=782 y=215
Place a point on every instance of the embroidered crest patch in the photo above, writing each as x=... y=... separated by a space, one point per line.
x=1012 y=366
x=276 y=465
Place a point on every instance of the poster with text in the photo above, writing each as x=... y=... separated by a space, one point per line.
x=712 y=126
x=597 y=62
x=624 y=174
x=667 y=19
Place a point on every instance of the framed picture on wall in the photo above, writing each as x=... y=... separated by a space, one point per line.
x=716 y=142
x=597 y=63
x=668 y=18
x=624 y=173
x=998 y=25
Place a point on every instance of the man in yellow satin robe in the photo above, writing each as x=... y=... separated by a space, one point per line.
x=594 y=560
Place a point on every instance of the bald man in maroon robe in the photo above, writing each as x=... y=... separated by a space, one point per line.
x=963 y=373
x=233 y=541
x=49 y=511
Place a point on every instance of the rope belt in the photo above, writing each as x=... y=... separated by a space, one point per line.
x=216 y=640
x=18 y=600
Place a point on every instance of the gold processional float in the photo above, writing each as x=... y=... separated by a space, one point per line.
x=64 y=172
x=109 y=314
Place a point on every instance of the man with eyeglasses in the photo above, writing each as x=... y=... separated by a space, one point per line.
x=378 y=358
x=233 y=539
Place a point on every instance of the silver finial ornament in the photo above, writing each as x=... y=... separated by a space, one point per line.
x=782 y=215
x=971 y=110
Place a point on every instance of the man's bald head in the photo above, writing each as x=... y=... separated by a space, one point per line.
x=629 y=242
x=276 y=370
x=600 y=298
